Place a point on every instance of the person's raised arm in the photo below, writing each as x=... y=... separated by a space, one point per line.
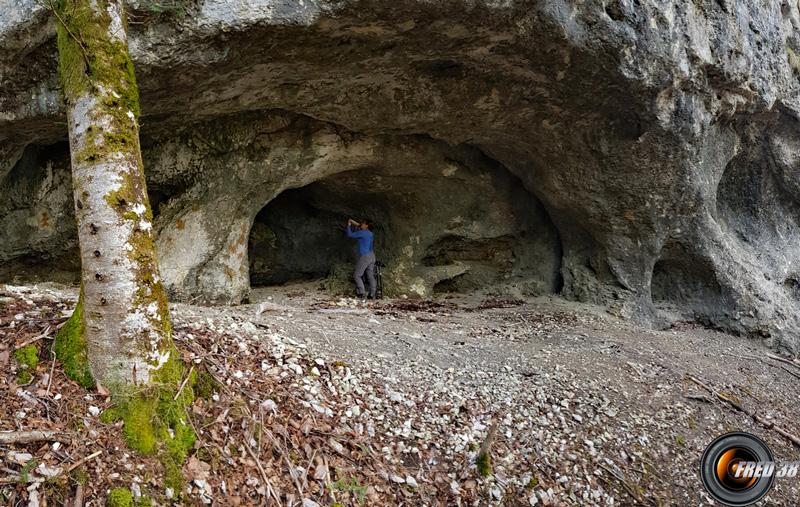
x=349 y=229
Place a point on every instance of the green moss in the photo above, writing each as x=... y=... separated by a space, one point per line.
x=28 y=359
x=27 y=356
x=350 y=485
x=91 y=62
x=120 y=497
x=204 y=384
x=173 y=477
x=72 y=58
x=26 y=469
x=138 y=414
x=128 y=193
x=70 y=348
x=79 y=476
x=155 y=422
x=110 y=416
x=24 y=377
x=484 y=463
x=89 y=58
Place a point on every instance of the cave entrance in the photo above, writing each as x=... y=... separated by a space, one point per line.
x=684 y=283
x=454 y=228
x=300 y=235
x=39 y=244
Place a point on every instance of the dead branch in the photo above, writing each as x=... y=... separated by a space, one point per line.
x=78 y=502
x=699 y=397
x=635 y=496
x=289 y=464
x=738 y=407
x=52 y=368
x=787 y=370
x=82 y=461
x=267 y=483
x=188 y=376
x=33 y=340
x=26 y=437
x=17 y=478
x=771 y=365
x=783 y=360
x=487 y=442
x=484 y=459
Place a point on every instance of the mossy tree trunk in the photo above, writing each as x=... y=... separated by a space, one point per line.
x=122 y=324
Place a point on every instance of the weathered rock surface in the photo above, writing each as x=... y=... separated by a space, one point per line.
x=660 y=136
x=444 y=219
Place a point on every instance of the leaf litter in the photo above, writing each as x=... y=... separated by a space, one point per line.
x=283 y=419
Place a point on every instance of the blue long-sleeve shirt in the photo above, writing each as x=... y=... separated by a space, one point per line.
x=364 y=239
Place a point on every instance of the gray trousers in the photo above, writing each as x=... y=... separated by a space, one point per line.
x=365 y=263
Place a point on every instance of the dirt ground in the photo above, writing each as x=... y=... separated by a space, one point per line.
x=629 y=386
x=585 y=409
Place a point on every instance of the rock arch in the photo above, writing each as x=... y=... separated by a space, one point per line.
x=443 y=215
x=236 y=171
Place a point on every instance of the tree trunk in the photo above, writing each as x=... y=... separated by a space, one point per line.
x=123 y=319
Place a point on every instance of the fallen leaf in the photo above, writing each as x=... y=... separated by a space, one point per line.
x=196 y=470
x=102 y=391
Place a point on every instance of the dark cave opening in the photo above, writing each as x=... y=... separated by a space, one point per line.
x=300 y=236
x=36 y=218
x=685 y=281
x=446 y=231
x=678 y=281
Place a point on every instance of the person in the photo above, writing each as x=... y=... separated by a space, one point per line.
x=366 y=257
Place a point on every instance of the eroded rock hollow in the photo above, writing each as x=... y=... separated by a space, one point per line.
x=637 y=154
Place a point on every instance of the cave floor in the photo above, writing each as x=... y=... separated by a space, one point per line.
x=566 y=374
x=592 y=410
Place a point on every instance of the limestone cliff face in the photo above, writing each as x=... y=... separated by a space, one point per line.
x=657 y=142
